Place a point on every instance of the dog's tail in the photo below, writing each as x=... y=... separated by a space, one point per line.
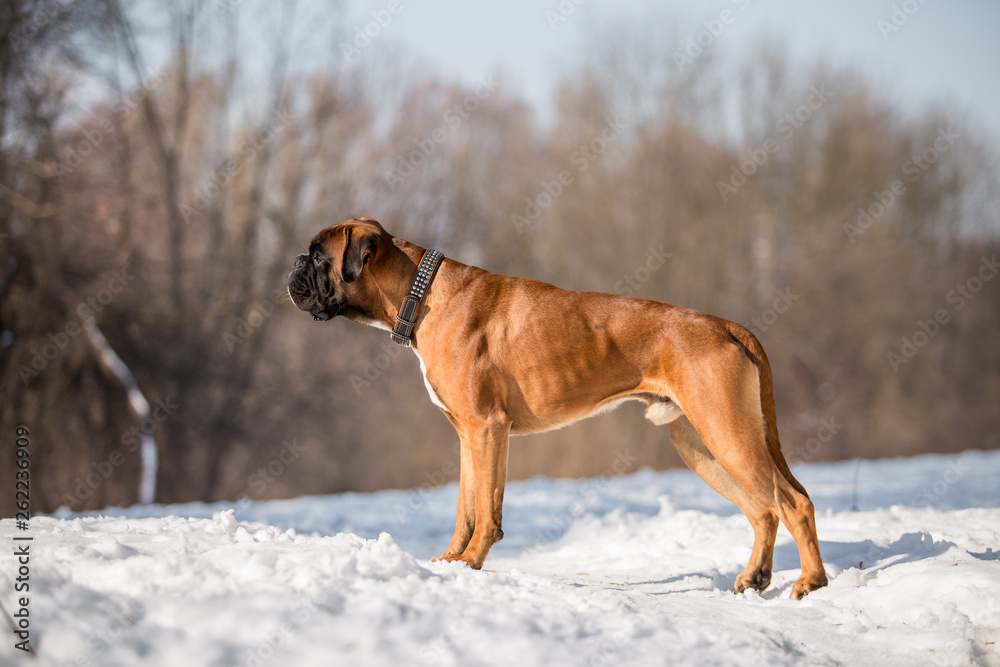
x=753 y=349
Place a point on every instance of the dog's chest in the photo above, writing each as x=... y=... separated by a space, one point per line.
x=435 y=399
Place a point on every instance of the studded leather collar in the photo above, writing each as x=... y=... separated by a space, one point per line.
x=407 y=317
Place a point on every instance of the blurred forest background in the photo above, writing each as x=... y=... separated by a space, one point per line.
x=155 y=213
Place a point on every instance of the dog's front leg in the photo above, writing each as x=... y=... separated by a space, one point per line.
x=484 y=468
x=465 y=519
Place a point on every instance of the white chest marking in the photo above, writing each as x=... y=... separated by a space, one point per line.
x=435 y=399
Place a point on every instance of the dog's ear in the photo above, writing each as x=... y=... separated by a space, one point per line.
x=360 y=248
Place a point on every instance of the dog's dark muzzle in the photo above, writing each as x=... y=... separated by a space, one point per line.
x=304 y=291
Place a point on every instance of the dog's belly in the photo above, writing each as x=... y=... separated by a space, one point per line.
x=660 y=410
x=549 y=391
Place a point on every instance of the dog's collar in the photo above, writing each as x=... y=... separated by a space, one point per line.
x=407 y=317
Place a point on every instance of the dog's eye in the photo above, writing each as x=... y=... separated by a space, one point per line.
x=317 y=260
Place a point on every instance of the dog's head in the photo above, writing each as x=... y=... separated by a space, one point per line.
x=324 y=281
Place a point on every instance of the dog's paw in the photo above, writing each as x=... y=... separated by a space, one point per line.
x=806 y=585
x=758 y=580
x=468 y=559
x=447 y=556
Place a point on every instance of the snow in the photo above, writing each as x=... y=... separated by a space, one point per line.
x=628 y=570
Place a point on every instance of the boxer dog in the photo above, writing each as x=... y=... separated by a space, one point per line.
x=505 y=356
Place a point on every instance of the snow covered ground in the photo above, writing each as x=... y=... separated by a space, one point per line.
x=629 y=570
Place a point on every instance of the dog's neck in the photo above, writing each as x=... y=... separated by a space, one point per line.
x=389 y=283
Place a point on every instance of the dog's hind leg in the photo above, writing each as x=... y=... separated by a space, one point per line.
x=696 y=456
x=732 y=429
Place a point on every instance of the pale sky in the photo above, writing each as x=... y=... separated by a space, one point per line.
x=944 y=52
